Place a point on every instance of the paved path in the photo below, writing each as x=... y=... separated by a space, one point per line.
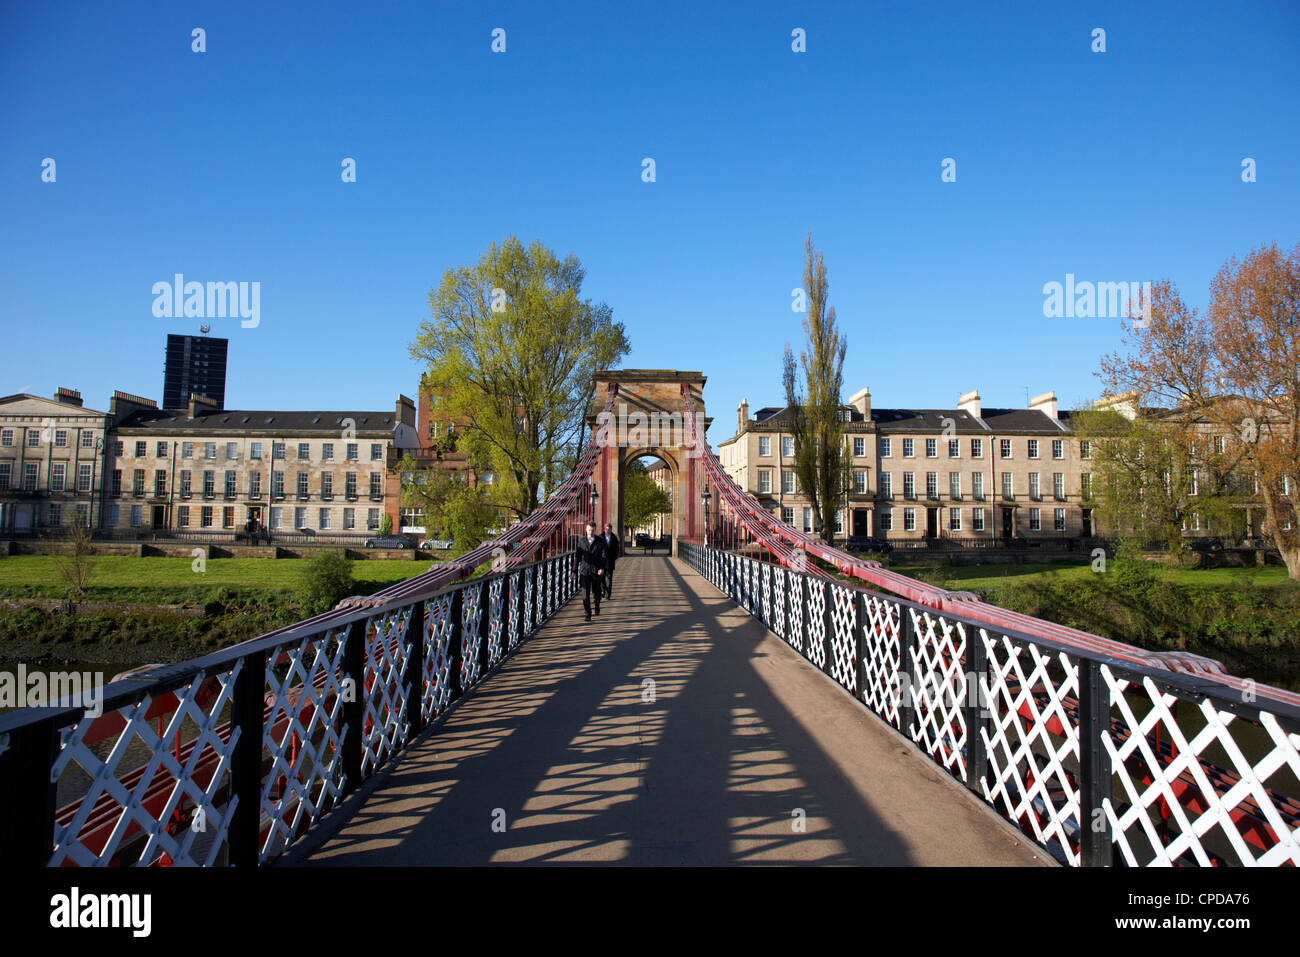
x=672 y=729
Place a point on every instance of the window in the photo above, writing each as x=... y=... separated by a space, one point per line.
x=787 y=516
x=137 y=482
x=1058 y=486
x=1033 y=486
x=327 y=450
x=1004 y=448
x=87 y=439
x=230 y=483
x=352 y=452
x=60 y=438
x=931 y=484
x=205 y=516
x=886 y=448
x=376 y=451
x=764 y=481
x=909 y=448
x=909 y=485
x=954 y=448
x=137 y=516
x=1035 y=520
x=1058 y=449
x=209 y=483
x=1193 y=485
x=55 y=515
x=118 y=448
x=182 y=516
x=349 y=518
x=1220 y=444
x=232 y=451
x=302 y=484
x=33 y=437
x=859 y=482
x=1085 y=484
x=372 y=518
x=31 y=472
x=327 y=484
x=909 y=519
x=187 y=450
x=209 y=450
x=56 y=476
x=185 y=483
x=977 y=486
x=954 y=485
x=6 y=475
x=141 y=449
x=227 y=516
x=787 y=446
x=350 y=484
x=807 y=520
x=1033 y=448
x=376 y=485
x=277 y=484
x=160 y=450
x=839 y=521
x=300 y=518
x=1008 y=491
x=324 y=518
x=115 y=487
x=277 y=517
x=6 y=437
x=764 y=445
x=859 y=446
x=159 y=483
x=1058 y=520
x=1085 y=449
x=114 y=516
x=886 y=485
x=787 y=481
x=255 y=450
x=977 y=519
x=885 y=519
x=304 y=450
x=977 y=448
x=277 y=450
x=931 y=448
x=954 y=520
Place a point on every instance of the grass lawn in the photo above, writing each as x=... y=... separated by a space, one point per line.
x=977 y=576
x=127 y=572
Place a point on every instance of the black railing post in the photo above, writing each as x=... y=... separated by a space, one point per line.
x=975 y=713
x=907 y=676
x=1095 y=773
x=414 y=677
x=354 y=705
x=828 y=629
x=484 y=626
x=27 y=794
x=860 y=648
x=248 y=716
x=454 y=643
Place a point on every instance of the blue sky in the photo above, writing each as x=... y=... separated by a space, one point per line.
x=225 y=166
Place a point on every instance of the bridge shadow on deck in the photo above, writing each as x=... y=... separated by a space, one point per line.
x=672 y=729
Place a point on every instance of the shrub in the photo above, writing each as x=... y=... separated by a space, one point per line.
x=325 y=582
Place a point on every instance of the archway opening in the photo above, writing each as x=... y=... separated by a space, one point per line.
x=647 y=498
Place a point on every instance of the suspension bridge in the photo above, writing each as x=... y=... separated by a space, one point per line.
x=756 y=697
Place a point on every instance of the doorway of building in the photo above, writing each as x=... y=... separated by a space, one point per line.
x=861 y=527
x=1007 y=528
x=931 y=523
x=159 y=516
x=1087 y=523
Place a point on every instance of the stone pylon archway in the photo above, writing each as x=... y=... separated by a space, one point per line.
x=649 y=419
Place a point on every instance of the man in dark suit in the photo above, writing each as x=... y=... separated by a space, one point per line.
x=591 y=568
x=613 y=549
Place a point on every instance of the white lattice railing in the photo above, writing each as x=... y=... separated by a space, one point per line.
x=232 y=758
x=1101 y=761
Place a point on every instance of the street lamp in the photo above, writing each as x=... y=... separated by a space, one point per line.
x=704 y=497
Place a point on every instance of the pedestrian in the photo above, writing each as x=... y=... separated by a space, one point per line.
x=613 y=549
x=591 y=569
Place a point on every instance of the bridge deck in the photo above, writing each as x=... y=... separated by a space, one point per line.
x=740 y=733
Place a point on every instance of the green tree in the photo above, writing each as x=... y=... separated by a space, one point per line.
x=386 y=525
x=326 y=581
x=821 y=464
x=642 y=498
x=453 y=507
x=512 y=349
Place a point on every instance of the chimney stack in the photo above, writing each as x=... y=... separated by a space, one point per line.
x=742 y=416
x=970 y=403
x=201 y=403
x=68 y=396
x=1045 y=403
x=861 y=402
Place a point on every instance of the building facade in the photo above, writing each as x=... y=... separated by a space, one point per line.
x=966 y=474
x=194 y=364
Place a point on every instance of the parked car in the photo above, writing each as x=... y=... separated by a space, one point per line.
x=440 y=544
x=860 y=544
x=388 y=541
x=1204 y=545
x=642 y=540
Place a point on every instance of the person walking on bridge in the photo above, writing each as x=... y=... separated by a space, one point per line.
x=591 y=568
x=613 y=549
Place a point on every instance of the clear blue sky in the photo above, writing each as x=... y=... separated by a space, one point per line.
x=225 y=165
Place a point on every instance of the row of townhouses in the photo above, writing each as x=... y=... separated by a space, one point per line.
x=968 y=473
